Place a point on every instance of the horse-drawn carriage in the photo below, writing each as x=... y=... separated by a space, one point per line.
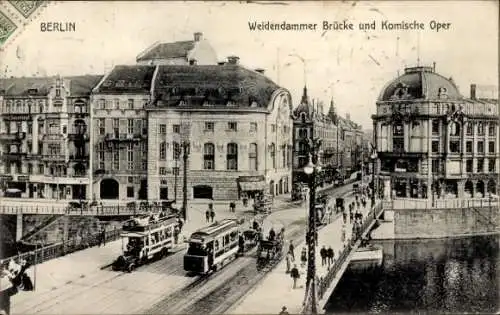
x=269 y=251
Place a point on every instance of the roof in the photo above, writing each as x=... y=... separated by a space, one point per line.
x=83 y=85
x=216 y=228
x=168 y=50
x=127 y=79
x=420 y=83
x=212 y=85
x=39 y=86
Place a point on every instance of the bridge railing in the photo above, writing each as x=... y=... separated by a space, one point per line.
x=45 y=253
x=325 y=282
x=455 y=203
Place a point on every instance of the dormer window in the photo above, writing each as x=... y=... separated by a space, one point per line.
x=32 y=91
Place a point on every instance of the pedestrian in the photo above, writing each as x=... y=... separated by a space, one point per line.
x=272 y=234
x=207 y=215
x=288 y=262
x=351 y=216
x=344 y=217
x=330 y=255
x=212 y=215
x=294 y=273
x=303 y=257
x=342 y=236
x=176 y=234
x=323 y=255
x=232 y=207
x=291 y=250
x=99 y=239
x=241 y=244
x=284 y=311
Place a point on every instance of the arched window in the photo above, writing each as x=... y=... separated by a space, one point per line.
x=252 y=157
x=272 y=152
x=468 y=130
x=208 y=156
x=480 y=129
x=454 y=129
x=176 y=151
x=283 y=156
x=163 y=151
x=232 y=156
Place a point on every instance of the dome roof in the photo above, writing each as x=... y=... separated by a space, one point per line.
x=420 y=83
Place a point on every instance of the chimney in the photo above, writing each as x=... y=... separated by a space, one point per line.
x=233 y=60
x=434 y=66
x=260 y=70
x=473 y=91
x=198 y=36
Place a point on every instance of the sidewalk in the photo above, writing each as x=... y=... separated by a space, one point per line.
x=276 y=291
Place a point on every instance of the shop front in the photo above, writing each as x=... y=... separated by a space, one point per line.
x=251 y=186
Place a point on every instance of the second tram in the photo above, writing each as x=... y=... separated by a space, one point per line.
x=212 y=246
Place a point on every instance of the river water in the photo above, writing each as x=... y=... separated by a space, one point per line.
x=436 y=276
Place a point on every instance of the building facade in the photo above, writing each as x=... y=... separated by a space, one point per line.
x=432 y=142
x=236 y=124
x=120 y=133
x=44 y=137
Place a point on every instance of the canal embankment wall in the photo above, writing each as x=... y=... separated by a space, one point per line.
x=438 y=222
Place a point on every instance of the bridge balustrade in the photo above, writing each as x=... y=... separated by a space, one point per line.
x=45 y=253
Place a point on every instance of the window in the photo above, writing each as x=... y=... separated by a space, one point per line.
x=130 y=104
x=468 y=147
x=101 y=103
x=130 y=191
x=53 y=129
x=232 y=126
x=435 y=127
x=435 y=166
x=176 y=150
x=480 y=147
x=272 y=152
x=144 y=165
x=435 y=146
x=163 y=171
x=232 y=156
x=163 y=151
x=58 y=92
x=41 y=169
x=454 y=129
x=30 y=127
x=41 y=127
x=144 y=124
x=101 y=125
x=208 y=156
x=117 y=103
x=130 y=156
x=30 y=168
x=283 y=156
x=302 y=133
x=273 y=128
x=116 y=160
x=491 y=129
x=209 y=126
x=253 y=127
x=480 y=129
x=469 y=129
x=455 y=146
x=130 y=126
x=491 y=165
x=480 y=165
x=176 y=128
x=491 y=146
x=163 y=129
x=252 y=157
x=175 y=170
x=468 y=166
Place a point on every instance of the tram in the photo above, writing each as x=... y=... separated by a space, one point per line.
x=146 y=237
x=213 y=246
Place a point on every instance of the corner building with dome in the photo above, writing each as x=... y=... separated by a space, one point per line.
x=433 y=143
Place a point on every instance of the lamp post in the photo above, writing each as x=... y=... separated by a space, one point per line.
x=312 y=169
x=185 y=156
x=373 y=156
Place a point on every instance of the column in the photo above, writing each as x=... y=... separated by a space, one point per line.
x=19 y=226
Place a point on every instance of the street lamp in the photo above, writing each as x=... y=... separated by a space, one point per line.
x=374 y=158
x=185 y=147
x=312 y=171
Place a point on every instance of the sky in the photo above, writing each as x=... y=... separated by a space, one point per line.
x=350 y=66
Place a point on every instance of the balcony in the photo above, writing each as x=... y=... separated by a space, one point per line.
x=79 y=158
x=17 y=136
x=82 y=137
x=122 y=137
x=54 y=157
x=14 y=156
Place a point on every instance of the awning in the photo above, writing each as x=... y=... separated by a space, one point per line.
x=252 y=186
